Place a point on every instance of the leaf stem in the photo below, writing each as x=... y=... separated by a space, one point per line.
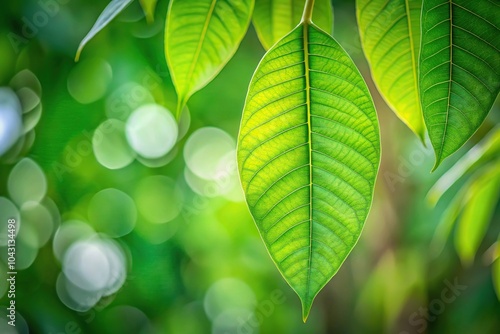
x=308 y=9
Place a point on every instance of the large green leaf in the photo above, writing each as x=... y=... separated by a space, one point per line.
x=484 y=194
x=273 y=19
x=308 y=156
x=200 y=38
x=390 y=36
x=459 y=69
x=114 y=8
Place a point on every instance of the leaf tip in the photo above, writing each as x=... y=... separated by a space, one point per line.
x=78 y=53
x=306 y=309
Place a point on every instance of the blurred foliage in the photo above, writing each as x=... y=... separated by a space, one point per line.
x=201 y=268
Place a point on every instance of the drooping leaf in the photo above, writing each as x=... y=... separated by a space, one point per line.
x=149 y=6
x=479 y=155
x=200 y=39
x=459 y=69
x=114 y=8
x=484 y=194
x=449 y=218
x=273 y=19
x=390 y=36
x=308 y=156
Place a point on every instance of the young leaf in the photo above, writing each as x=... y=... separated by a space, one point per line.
x=390 y=36
x=308 y=156
x=273 y=19
x=148 y=7
x=114 y=8
x=484 y=194
x=459 y=69
x=200 y=39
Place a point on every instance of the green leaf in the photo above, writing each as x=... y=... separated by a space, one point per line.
x=149 y=6
x=114 y=8
x=273 y=19
x=479 y=155
x=308 y=156
x=459 y=69
x=495 y=268
x=484 y=194
x=200 y=39
x=390 y=36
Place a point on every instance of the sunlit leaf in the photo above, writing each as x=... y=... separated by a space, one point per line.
x=114 y=8
x=484 y=194
x=200 y=40
x=149 y=6
x=477 y=156
x=390 y=36
x=308 y=156
x=273 y=19
x=459 y=69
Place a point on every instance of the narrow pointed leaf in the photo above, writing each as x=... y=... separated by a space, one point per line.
x=308 y=156
x=273 y=19
x=149 y=6
x=114 y=8
x=479 y=155
x=484 y=194
x=201 y=38
x=459 y=69
x=390 y=36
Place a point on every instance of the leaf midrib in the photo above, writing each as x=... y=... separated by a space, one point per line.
x=309 y=130
x=449 y=85
x=198 y=48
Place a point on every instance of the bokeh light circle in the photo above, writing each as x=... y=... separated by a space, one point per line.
x=158 y=199
x=7 y=211
x=125 y=99
x=113 y=212
x=110 y=145
x=26 y=182
x=10 y=119
x=205 y=148
x=68 y=233
x=38 y=218
x=228 y=294
x=151 y=131
x=88 y=81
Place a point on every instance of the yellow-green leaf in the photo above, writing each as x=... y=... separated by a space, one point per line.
x=484 y=194
x=459 y=69
x=200 y=38
x=308 y=156
x=479 y=155
x=149 y=6
x=273 y=19
x=390 y=36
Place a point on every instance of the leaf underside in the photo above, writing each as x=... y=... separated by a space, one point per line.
x=459 y=69
x=390 y=36
x=273 y=19
x=200 y=40
x=308 y=155
x=114 y=8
